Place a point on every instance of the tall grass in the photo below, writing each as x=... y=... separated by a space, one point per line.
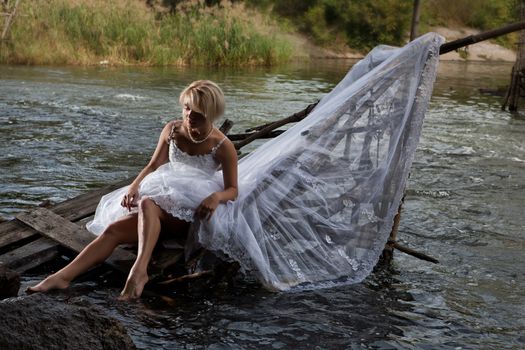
x=128 y=32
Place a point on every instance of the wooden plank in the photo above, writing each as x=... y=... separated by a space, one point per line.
x=30 y=255
x=72 y=236
x=73 y=209
x=84 y=205
x=13 y=231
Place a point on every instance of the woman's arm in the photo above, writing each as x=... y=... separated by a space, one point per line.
x=160 y=156
x=227 y=156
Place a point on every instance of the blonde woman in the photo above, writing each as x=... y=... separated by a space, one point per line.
x=173 y=190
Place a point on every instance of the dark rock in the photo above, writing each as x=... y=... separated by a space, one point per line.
x=41 y=321
x=9 y=283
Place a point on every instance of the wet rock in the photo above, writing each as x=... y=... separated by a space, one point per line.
x=43 y=322
x=9 y=282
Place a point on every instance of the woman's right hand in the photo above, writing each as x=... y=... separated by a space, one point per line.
x=130 y=198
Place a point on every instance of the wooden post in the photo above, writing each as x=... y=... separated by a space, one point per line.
x=518 y=70
x=415 y=19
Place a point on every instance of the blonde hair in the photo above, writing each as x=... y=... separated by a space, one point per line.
x=204 y=97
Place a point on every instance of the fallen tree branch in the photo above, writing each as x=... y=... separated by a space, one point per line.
x=472 y=39
x=413 y=252
x=271 y=126
x=191 y=276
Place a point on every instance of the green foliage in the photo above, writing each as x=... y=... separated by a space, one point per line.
x=128 y=32
x=369 y=23
x=359 y=23
x=217 y=32
x=363 y=24
x=481 y=14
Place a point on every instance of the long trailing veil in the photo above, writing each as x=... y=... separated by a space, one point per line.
x=316 y=204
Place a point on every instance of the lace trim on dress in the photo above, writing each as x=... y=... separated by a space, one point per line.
x=171 y=206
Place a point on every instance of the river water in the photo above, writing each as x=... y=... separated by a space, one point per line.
x=67 y=130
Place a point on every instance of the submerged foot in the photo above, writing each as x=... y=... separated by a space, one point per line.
x=50 y=283
x=134 y=286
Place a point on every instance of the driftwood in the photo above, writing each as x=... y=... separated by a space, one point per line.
x=272 y=126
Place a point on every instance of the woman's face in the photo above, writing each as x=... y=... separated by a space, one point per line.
x=195 y=119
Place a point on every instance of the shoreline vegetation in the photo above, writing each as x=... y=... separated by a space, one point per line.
x=129 y=32
x=238 y=33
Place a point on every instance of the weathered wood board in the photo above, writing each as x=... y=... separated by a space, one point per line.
x=30 y=255
x=14 y=231
x=72 y=236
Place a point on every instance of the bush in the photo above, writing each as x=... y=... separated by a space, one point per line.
x=360 y=24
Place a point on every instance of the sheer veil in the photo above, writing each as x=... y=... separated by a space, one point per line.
x=316 y=204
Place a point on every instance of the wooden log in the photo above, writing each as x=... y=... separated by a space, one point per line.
x=72 y=236
x=476 y=38
x=242 y=136
x=270 y=127
x=226 y=126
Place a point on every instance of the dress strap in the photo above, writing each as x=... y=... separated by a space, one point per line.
x=171 y=137
x=216 y=147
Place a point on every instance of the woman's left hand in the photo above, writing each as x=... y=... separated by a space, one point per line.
x=206 y=209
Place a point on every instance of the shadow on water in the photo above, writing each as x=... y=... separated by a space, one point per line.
x=66 y=130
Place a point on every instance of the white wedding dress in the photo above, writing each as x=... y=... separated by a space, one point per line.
x=316 y=204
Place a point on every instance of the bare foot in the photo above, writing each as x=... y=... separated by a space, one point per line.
x=134 y=286
x=51 y=282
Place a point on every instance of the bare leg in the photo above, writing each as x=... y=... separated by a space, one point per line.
x=122 y=231
x=151 y=216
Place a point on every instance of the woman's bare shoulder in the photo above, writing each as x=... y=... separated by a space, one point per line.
x=226 y=148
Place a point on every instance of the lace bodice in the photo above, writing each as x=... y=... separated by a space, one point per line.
x=205 y=162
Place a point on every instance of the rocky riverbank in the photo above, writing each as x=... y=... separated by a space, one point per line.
x=42 y=322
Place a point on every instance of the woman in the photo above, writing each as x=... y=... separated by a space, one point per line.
x=170 y=192
x=316 y=203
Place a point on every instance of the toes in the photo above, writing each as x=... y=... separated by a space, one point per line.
x=132 y=289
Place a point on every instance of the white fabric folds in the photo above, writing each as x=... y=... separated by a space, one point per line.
x=316 y=204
